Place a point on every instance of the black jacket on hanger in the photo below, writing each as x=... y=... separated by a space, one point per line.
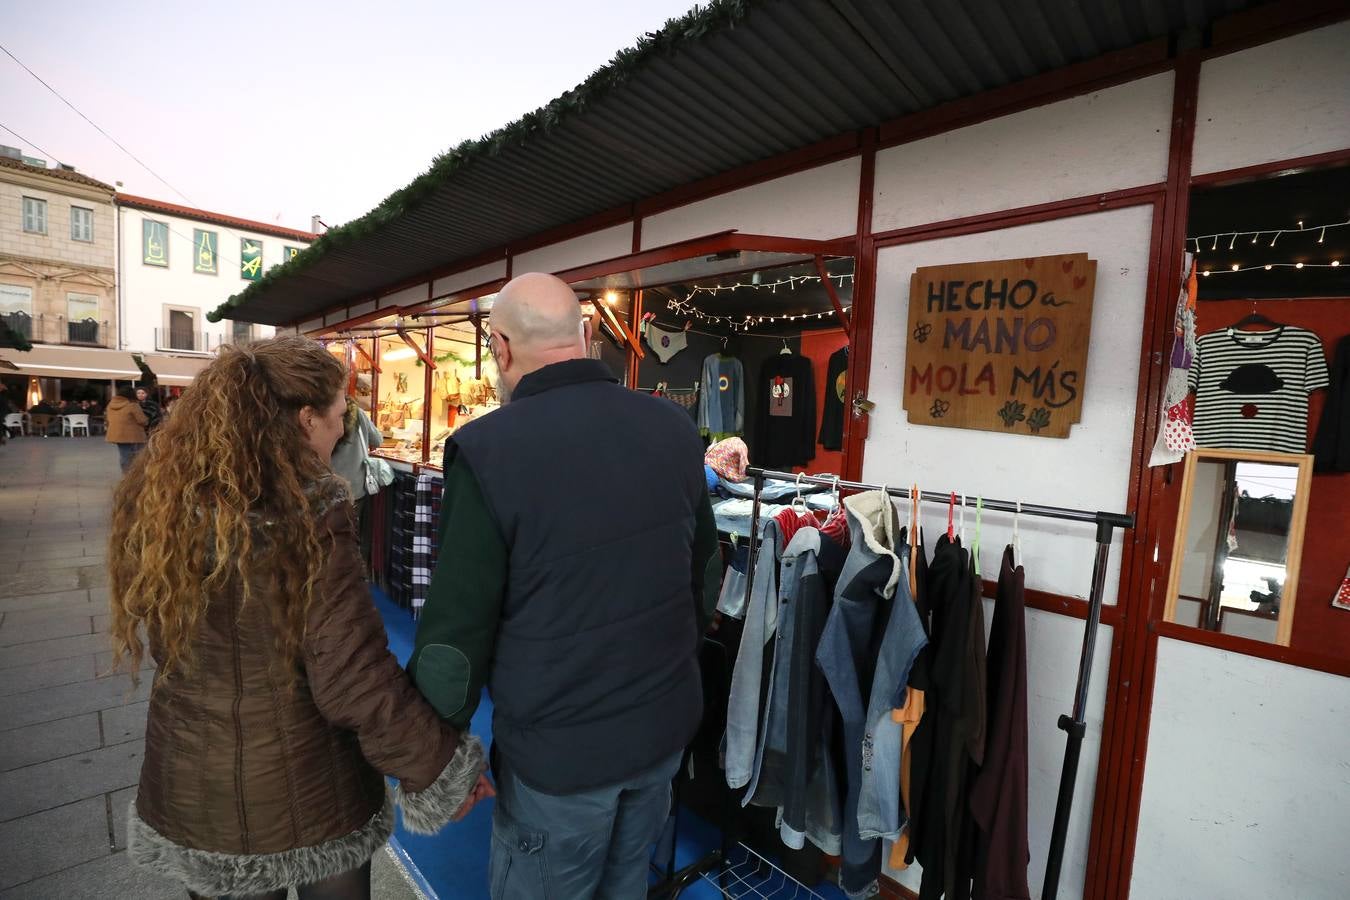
x=785 y=413
x=832 y=416
x=1331 y=447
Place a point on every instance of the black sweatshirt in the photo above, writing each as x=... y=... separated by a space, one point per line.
x=785 y=413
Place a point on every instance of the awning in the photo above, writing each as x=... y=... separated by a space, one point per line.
x=175 y=370
x=77 y=362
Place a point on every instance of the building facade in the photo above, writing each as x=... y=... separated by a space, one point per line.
x=57 y=259
x=176 y=264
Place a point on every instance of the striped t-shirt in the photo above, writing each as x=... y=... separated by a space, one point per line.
x=1251 y=388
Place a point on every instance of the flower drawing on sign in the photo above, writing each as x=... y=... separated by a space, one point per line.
x=940 y=408
x=921 y=331
x=1012 y=413
x=1039 y=418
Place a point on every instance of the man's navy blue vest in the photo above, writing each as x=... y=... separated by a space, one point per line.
x=595 y=489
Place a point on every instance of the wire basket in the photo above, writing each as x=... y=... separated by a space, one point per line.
x=749 y=876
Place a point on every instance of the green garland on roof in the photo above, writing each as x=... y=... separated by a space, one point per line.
x=627 y=63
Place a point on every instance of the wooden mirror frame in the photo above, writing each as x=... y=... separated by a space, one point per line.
x=1297 y=521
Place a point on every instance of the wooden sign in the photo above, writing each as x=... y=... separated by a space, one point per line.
x=1001 y=345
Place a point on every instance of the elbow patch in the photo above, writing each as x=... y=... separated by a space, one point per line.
x=443 y=678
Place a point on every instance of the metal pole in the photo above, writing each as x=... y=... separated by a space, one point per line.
x=1076 y=725
x=754 y=536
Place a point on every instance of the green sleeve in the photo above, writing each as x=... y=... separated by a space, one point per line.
x=707 y=574
x=458 y=628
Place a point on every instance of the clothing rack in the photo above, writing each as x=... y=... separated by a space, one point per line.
x=1074 y=725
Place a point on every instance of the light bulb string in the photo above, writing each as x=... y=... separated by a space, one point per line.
x=1255 y=234
x=1267 y=266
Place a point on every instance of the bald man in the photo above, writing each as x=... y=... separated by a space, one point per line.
x=575 y=531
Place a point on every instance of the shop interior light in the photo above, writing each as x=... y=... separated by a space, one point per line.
x=1298 y=265
x=1335 y=263
x=611 y=298
x=397 y=354
x=1235 y=267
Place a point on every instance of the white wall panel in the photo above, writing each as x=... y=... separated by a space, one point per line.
x=1103 y=141
x=469 y=278
x=1281 y=100
x=1089 y=469
x=1247 y=785
x=590 y=248
x=1054 y=643
x=407 y=296
x=818 y=204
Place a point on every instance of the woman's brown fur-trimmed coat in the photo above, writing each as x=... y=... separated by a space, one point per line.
x=248 y=784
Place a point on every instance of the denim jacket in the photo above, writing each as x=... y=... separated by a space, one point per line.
x=745 y=700
x=871 y=638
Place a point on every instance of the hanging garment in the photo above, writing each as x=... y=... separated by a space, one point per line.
x=998 y=797
x=785 y=413
x=1177 y=435
x=425 y=503
x=950 y=738
x=910 y=715
x=859 y=642
x=665 y=344
x=754 y=662
x=731 y=599
x=1332 y=444
x=721 y=397
x=1251 y=388
x=832 y=416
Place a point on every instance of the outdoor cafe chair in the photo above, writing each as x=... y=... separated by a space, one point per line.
x=72 y=424
x=14 y=424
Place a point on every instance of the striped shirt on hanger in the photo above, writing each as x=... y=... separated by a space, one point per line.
x=1251 y=388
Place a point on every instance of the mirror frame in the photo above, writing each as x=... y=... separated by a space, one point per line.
x=1284 y=627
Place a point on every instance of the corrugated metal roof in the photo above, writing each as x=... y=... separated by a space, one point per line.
x=721 y=88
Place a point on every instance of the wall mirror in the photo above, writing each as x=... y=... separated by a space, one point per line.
x=1238 y=544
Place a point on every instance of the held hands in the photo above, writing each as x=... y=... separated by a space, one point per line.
x=481 y=791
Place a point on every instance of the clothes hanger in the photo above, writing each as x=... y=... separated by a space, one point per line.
x=975 y=546
x=1255 y=318
x=951 y=511
x=799 y=503
x=963 y=520
x=786 y=351
x=1017 y=537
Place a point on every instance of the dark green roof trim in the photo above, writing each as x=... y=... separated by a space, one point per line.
x=695 y=24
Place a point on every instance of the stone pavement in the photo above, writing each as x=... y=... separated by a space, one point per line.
x=71 y=735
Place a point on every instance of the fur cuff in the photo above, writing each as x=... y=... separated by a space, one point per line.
x=428 y=811
x=213 y=874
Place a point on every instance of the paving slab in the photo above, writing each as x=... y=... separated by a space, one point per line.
x=59 y=648
x=53 y=840
x=56 y=611
x=124 y=723
x=108 y=877
x=48 y=740
x=51 y=673
x=70 y=778
x=70 y=700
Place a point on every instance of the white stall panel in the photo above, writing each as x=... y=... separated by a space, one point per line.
x=469 y=278
x=1247 y=784
x=1103 y=141
x=1054 y=643
x=1280 y=100
x=590 y=248
x=818 y=204
x=1089 y=469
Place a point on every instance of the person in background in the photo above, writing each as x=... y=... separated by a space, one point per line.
x=359 y=437
x=126 y=427
x=583 y=616
x=42 y=408
x=277 y=708
x=5 y=409
x=153 y=412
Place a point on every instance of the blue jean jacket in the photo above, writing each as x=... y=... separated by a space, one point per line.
x=747 y=681
x=872 y=595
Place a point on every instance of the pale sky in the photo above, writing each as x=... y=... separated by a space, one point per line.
x=278 y=110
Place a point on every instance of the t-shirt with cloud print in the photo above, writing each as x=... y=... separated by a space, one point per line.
x=1251 y=388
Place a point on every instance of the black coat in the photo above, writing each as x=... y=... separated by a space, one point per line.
x=1332 y=444
x=785 y=413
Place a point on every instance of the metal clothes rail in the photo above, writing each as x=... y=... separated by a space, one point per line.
x=1074 y=725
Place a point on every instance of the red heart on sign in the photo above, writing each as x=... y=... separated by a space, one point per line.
x=1079 y=281
x=1067 y=265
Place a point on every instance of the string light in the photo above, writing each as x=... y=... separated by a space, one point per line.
x=744 y=323
x=755 y=283
x=1334 y=264
x=1234 y=235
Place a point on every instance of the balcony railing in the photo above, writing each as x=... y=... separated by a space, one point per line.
x=85 y=331
x=21 y=323
x=185 y=341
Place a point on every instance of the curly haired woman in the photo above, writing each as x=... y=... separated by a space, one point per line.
x=277 y=706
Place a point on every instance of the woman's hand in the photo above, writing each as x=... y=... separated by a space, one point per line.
x=481 y=791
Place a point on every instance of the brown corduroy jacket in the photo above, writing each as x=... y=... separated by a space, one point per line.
x=239 y=762
x=126 y=422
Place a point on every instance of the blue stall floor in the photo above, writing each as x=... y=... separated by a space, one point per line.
x=453 y=865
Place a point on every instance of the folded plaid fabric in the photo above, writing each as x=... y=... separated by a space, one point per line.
x=425 y=508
